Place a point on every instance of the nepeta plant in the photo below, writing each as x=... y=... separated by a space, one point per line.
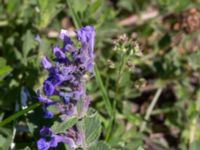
x=64 y=89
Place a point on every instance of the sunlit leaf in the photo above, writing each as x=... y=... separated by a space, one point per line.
x=4 y=71
x=90 y=128
x=61 y=127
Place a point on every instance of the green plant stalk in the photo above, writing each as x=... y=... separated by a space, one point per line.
x=120 y=71
x=98 y=78
x=103 y=91
x=75 y=17
x=18 y=114
x=150 y=109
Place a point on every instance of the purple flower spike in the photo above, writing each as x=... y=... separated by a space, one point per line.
x=65 y=82
x=86 y=36
x=45 y=63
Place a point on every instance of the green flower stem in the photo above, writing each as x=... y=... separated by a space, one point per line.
x=103 y=91
x=120 y=71
x=18 y=114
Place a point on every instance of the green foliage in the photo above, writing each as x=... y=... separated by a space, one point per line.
x=100 y=146
x=61 y=127
x=195 y=145
x=128 y=71
x=48 y=10
x=90 y=128
x=4 y=69
x=193 y=60
x=176 y=6
x=5 y=138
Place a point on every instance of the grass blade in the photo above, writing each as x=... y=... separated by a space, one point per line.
x=18 y=114
x=103 y=91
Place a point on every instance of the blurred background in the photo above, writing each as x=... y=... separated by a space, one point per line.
x=148 y=55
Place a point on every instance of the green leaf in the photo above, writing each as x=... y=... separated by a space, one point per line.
x=61 y=127
x=18 y=114
x=2 y=62
x=95 y=6
x=53 y=109
x=44 y=47
x=5 y=138
x=79 y=5
x=103 y=91
x=195 y=145
x=28 y=43
x=90 y=128
x=48 y=10
x=4 y=71
x=12 y=5
x=126 y=4
x=101 y=145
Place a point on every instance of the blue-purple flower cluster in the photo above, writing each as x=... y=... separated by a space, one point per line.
x=66 y=81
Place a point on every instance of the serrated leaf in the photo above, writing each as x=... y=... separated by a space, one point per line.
x=101 y=145
x=61 y=127
x=90 y=128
